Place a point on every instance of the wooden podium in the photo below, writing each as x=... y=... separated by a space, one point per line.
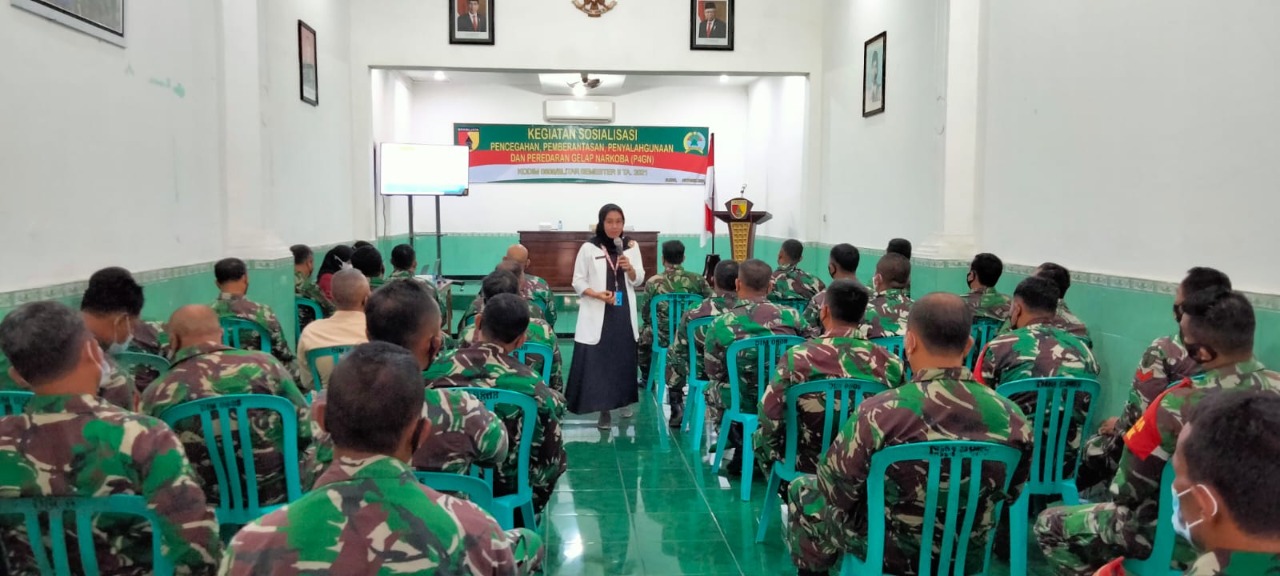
x=742 y=223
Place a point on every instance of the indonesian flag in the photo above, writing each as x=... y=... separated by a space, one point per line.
x=708 y=220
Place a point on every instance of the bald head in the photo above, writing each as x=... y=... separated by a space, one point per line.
x=941 y=323
x=350 y=290
x=194 y=324
x=520 y=254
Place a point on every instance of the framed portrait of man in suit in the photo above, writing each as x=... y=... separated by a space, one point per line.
x=471 y=21
x=873 y=56
x=711 y=25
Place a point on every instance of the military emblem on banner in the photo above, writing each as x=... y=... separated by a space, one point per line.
x=594 y=8
x=469 y=137
x=739 y=208
x=695 y=142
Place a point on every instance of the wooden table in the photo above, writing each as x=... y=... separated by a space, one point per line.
x=551 y=254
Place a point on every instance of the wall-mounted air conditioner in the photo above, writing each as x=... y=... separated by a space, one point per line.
x=578 y=111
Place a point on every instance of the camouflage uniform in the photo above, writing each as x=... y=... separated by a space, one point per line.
x=987 y=303
x=1079 y=539
x=1164 y=363
x=837 y=354
x=477 y=304
x=1228 y=563
x=487 y=366
x=678 y=354
x=371 y=516
x=539 y=332
x=82 y=446
x=209 y=370
x=747 y=318
x=435 y=293
x=674 y=279
x=886 y=314
x=813 y=314
x=459 y=432
x=828 y=512
x=1072 y=323
x=536 y=289
x=241 y=307
x=149 y=337
x=792 y=283
x=303 y=287
x=119 y=388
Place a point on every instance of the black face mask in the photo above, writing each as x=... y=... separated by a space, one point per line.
x=1177 y=313
x=1194 y=351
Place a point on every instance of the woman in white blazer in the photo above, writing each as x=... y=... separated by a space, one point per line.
x=605 y=275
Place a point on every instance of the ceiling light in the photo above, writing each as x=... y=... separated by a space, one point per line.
x=439 y=76
x=579 y=91
x=724 y=78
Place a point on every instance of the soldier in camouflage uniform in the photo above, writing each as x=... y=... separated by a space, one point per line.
x=842 y=265
x=69 y=442
x=110 y=307
x=673 y=279
x=368 y=260
x=1065 y=319
x=304 y=264
x=838 y=353
x=459 y=431
x=233 y=284
x=404 y=263
x=790 y=282
x=1217 y=327
x=890 y=305
x=725 y=279
x=534 y=298
x=750 y=316
x=828 y=513
x=984 y=272
x=1163 y=364
x=204 y=368
x=488 y=364
x=534 y=288
x=503 y=281
x=368 y=514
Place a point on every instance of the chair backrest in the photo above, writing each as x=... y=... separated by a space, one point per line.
x=13 y=401
x=676 y=304
x=477 y=491
x=334 y=353
x=528 y=407
x=52 y=512
x=942 y=509
x=236 y=474
x=300 y=304
x=129 y=360
x=696 y=326
x=984 y=329
x=845 y=392
x=540 y=350
x=1162 y=548
x=232 y=327
x=767 y=349
x=1052 y=421
x=797 y=304
x=895 y=346
x=541 y=306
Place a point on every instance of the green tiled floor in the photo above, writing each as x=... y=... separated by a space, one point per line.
x=635 y=500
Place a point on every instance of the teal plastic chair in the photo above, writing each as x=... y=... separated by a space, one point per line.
x=13 y=401
x=540 y=350
x=236 y=474
x=951 y=511
x=476 y=490
x=677 y=304
x=334 y=353
x=983 y=331
x=695 y=399
x=504 y=507
x=797 y=304
x=129 y=360
x=52 y=511
x=543 y=307
x=768 y=349
x=233 y=327
x=1157 y=564
x=299 y=304
x=1051 y=473
x=895 y=346
x=848 y=393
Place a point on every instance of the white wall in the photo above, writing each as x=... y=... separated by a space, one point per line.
x=1136 y=138
x=100 y=166
x=507 y=208
x=882 y=176
x=777 y=113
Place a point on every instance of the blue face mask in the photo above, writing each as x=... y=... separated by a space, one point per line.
x=1180 y=525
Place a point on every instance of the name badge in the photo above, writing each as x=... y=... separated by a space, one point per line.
x=617 y=298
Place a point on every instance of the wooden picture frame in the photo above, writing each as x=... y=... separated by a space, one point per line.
x=466 y=29
x=102 y=19
x=874 y=55
x=308 y=65
x=716 y=34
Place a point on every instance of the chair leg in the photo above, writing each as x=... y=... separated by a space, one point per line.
x=659 y=385
x=699 y=425
x=505 y=517
x=748 y=460
x=1018 y=535
x=689 y=403
x=720 y=442
x=770 y=506
x=530 y=519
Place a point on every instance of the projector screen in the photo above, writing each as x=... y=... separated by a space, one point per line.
x=423 y=170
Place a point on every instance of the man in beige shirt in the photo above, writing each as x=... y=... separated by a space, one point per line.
x=345 y=328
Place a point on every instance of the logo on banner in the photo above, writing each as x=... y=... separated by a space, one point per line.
x=695 y=142
x=594 y=8
x=739 y=207
x=469 y=137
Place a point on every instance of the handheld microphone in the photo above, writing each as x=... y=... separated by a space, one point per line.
x=620 y=275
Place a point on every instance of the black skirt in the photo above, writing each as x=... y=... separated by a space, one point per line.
x=603 y=376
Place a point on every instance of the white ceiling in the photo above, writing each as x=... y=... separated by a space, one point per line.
x=557 y=84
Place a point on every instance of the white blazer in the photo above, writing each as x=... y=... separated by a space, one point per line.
x=591 y=270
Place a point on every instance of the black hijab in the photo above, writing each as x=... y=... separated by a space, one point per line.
x=334 y=259
x=601 y=239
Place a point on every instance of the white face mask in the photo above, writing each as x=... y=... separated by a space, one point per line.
x=118 y=347
x=1180 y=525
x=104 y=366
